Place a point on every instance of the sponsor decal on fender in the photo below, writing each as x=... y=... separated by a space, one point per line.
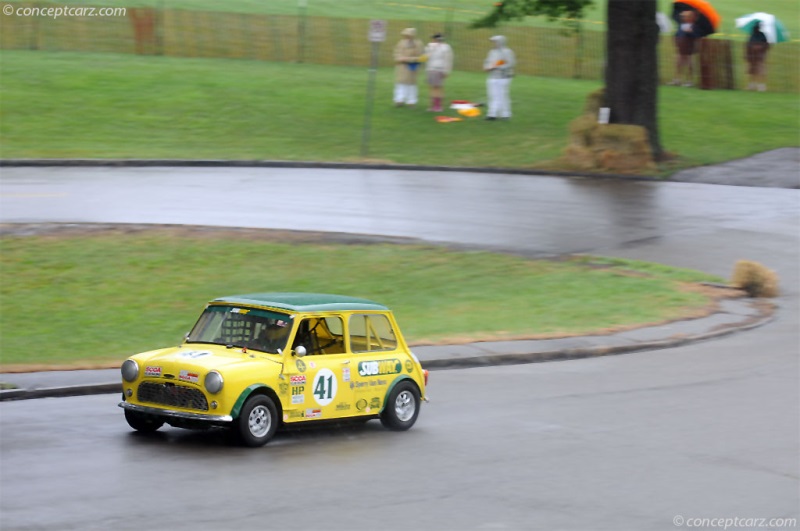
x=379 y=367
x=298 y=379
x=313 y=413
x=152 y=371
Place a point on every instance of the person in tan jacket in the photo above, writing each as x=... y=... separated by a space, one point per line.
x=407 y=58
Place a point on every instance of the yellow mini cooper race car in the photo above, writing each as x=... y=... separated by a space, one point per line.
x=255 y=362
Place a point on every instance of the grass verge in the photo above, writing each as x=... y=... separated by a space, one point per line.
x=100 y=106
x=92 y=298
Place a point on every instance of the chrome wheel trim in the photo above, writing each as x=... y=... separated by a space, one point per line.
x=260 y=421
x=404 y=406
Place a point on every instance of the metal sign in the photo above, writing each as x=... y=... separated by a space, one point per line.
x=377 y=30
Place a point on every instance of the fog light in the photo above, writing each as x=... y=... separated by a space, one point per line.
x=129 y=393
x=213 y=404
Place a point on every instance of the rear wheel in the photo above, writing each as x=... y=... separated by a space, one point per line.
x=402 y=407
x=257 y=422
x=142 y=422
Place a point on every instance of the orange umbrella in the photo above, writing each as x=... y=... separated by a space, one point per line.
x=709 y=19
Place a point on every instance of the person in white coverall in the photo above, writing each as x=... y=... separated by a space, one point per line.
x=500 y=65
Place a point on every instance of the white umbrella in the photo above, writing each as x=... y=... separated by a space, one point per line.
x=664 y=23
x=771 y=27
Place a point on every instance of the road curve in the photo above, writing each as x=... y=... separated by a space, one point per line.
x=658 y=440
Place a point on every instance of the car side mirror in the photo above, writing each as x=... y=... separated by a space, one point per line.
x=300 y=351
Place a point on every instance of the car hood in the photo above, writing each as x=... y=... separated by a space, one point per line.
x=190 y=361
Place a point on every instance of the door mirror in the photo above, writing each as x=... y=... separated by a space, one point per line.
x=300 y=351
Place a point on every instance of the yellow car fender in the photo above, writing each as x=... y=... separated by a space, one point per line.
x=249 y=390
x=394 y=384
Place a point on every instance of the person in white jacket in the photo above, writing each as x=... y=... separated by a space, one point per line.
x=438 y=67
x=500 y=65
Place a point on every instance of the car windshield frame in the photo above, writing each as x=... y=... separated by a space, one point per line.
x=238 y=326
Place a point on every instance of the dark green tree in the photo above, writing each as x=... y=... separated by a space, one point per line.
x=631 y=74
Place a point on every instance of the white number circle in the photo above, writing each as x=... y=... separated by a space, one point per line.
x=324 y=387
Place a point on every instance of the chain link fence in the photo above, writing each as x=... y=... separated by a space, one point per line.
x=552 y=52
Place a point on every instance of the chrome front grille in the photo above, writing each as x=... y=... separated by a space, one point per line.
x=169 y=394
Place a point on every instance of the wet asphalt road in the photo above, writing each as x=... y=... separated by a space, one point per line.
x=535 y=215
x=710 y=430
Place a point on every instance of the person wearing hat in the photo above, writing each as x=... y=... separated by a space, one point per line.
x=439 y=65
x=500 y=65
x=407 y=56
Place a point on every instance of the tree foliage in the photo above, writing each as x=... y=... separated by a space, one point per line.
x=519 y=9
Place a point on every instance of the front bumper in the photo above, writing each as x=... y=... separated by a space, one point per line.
x=171 y=413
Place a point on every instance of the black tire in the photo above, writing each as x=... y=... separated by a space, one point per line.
x=142 y=422
x=402 y=407
x=257 y=422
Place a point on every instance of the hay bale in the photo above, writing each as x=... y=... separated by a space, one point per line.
x=594 y=101
x=580 y=157
x=580 y=130
x=623 y=162
x=609 y=147
x=755 y=279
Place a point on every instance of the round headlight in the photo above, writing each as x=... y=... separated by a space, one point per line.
x=213 y=382
x=130 y=370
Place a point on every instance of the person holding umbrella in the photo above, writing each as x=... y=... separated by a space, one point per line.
x=764 y=30
x=686 y=46
x=756 y=54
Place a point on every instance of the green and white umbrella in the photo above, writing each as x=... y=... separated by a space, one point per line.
x=770 y=26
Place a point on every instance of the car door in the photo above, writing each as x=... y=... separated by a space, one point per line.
x=376 y=361
x=320 y=381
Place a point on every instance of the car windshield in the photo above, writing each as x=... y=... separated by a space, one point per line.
x=242 y=327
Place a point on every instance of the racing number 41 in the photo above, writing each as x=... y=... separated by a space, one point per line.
x=324 y=388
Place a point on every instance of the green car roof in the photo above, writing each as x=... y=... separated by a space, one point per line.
x=303 y=302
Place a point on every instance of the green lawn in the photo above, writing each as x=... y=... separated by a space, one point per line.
x=93 y=299
x=74 y=105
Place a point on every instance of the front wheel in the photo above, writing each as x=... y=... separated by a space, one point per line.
x=402 y=407
x=257 y=422
x=142 y=422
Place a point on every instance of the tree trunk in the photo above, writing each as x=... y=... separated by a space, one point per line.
x=632 y=66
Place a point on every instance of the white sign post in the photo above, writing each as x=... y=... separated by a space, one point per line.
x=377 y=30
x=376 y=35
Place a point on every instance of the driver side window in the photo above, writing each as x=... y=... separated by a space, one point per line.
x=320 y=335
